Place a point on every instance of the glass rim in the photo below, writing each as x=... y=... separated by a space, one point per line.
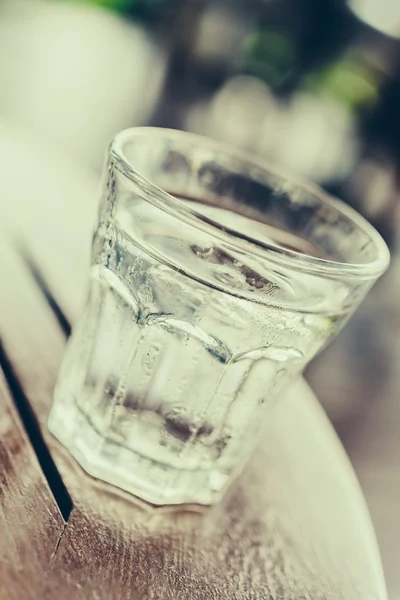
x=263 y=249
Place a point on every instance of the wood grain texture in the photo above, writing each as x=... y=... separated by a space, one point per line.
x=294 y=526
x=30 y=521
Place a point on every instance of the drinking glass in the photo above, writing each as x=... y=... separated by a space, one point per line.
x=215 y=278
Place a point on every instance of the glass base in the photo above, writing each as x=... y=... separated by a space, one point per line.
x=105 y=459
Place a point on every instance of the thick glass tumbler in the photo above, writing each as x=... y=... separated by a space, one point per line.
x=215 y=279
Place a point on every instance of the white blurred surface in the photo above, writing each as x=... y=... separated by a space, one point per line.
x=75 y=75
x=38 y=182
x=383 y=15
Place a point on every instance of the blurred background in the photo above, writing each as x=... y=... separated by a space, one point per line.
x=313 y=84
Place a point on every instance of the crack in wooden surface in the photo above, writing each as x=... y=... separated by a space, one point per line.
x=59 y=541
x=30 y=520
x=46 y=290
x=33 y=431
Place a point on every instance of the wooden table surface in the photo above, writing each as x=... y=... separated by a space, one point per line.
x=294 y=526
